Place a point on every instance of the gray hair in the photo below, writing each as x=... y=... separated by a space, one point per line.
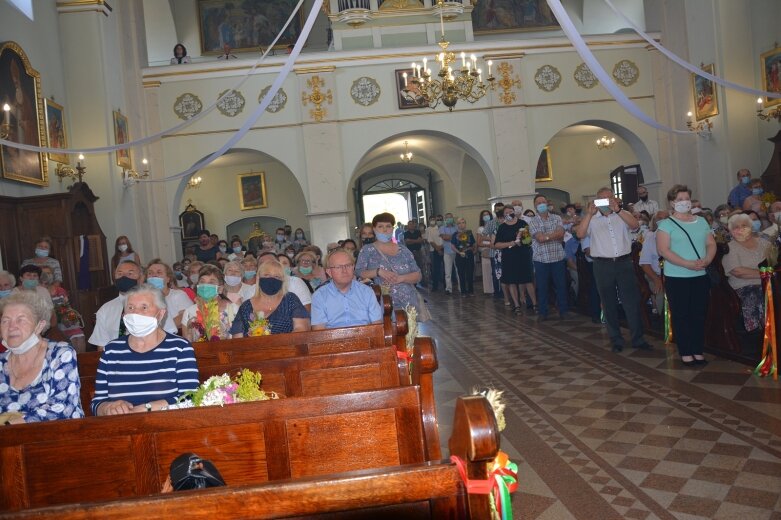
x=156 y=293
x=40 y=307
x=737 y=219
x=10 y=276
x=233 y=263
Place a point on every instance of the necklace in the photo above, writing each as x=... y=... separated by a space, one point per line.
x=267 y=308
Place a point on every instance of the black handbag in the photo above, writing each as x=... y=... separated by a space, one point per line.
x=189 y=471
x=711 y=270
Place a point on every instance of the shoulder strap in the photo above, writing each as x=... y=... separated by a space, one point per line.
x=687 y=236
x=386 y=258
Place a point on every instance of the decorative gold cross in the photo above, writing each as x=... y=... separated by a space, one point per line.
x=507 y=82
x=317 y=97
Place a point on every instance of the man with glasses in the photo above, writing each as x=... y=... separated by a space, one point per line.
x=644 y=203
x=742 y=191
x=343 y=302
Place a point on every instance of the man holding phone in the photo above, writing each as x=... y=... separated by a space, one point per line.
x=607 y=226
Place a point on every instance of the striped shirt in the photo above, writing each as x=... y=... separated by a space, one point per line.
x=165 y=372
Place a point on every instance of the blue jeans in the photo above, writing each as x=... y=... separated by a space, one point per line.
x=543 y=273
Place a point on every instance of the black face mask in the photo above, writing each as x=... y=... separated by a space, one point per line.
x=367 y=240
x=124 y=284
x=270 y=285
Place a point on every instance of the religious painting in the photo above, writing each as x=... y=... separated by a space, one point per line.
x=122 y=136
x=771 y=74
x=706 y=101
x=20 y=89
x=191 y=222
x=493 y=16
x=246 y=25
x=544 y=170
x=55 y=129
x=252 y=190
x=408 y=93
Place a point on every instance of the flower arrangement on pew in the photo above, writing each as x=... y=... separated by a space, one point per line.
x=206 y=321
x=222 y=390
x=259 y=326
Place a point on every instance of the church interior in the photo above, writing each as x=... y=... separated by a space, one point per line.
x=245 y=135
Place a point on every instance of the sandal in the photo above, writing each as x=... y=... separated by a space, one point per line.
x=518 y=310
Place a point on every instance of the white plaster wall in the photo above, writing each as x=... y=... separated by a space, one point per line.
x=161 y=34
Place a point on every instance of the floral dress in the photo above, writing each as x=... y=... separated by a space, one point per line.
x=279 y=322
x=403 y=262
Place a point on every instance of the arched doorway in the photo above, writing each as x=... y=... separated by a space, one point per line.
x=404 y=199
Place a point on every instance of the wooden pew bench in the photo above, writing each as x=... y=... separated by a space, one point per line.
x=302 y=446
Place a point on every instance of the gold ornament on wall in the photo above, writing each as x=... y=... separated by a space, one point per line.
x=626 y=73
x=584 y=77
x=317 y=97
x=506 y=82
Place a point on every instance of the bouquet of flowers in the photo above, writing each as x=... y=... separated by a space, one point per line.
x=524 y=236
x=259 y=326
x=67 y=316
x=767 y=199
x=206 y=323
x=222 y=390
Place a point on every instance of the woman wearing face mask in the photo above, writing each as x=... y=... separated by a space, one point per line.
x=484 y=249
x=513 y=240
x=389 y=264
x=69 y=321
x=307 y=269
x=161 y=276
x=222 y=250
x=296 y=285
x=367 y=234
x=465 y=244
x=754 y=201
x=290 y=253
x=39 y=379
x=687 y=245
x=148 y=369
x=746 y=251
x=282 y=309
x=123 y=250
x=236 y=252
x=299 y=239
x=211 y=317
x=7 y=283
x=42 y=251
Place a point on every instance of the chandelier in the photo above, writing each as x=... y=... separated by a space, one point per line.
x=193 y=182
x=767 y=116
x=131 y=176
x=450 y=84
x=64 y=171
x=605 y=142
x=407 y=155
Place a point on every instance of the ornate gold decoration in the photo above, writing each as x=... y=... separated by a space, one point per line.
x=584 y=77
x=626 y=73
x=548 y=78
x=506 y=82
x=317 y=97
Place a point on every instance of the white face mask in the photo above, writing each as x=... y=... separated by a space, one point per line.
x=518 y=210
x=683 y=206
x=139 y=325
x=25 y=346
x=122 y=247
x=233 y=280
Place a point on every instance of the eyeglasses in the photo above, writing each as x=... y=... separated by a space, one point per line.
x=343 y=267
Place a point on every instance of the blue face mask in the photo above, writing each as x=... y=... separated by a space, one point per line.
x=30 y=284
x=486 y=218
x=156 y=282
x=755 y=225
x=249 y=275
x=237 y=249
x=745 y=180
x=41 y=253
x=4 y=293
x=383 y=237
x=757 y=191
x=542 y=208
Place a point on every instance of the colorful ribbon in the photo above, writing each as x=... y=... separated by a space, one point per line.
x=768 y=366
x=403 y=354
x=668 y=323
x=502 y=481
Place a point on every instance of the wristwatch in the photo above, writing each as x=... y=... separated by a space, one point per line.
x=148 y=407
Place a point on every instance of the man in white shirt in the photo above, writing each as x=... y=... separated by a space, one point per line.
x=608 y=228
x=108 y=319
x=644 y=203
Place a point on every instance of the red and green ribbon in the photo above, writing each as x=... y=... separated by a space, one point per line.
x=668 y=323
x=502 y=481
x=768 y=366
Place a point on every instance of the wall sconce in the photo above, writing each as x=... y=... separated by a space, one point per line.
x=131 y=177
x=71 y=172
x=5 y=127
x=767 y=116
x=703 y=128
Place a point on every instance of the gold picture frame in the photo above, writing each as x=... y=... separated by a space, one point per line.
x=706 y=96
x=252 y=190
x=770 y=65
x=19 y=80
x=55 y=131
x=544 y=172
x=122 y=136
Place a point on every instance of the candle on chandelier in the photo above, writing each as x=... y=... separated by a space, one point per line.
x=413 y=69
x=419 y=76
x=760 y=105
x=463 y=60
x=489 y=67
x=480 y=75
x=474 y=61
x=405 y=79
x=7 y=113
x=425 y=65
x=689 y=116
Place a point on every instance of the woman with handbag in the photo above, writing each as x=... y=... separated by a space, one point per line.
x=391 y=265
x=686 y=243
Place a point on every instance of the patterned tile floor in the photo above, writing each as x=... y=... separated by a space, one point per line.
x=603 y=436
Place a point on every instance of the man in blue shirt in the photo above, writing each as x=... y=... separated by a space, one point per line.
x=740 y=192
x=344 y=302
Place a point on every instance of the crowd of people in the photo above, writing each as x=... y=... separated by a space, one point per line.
x=282 y=283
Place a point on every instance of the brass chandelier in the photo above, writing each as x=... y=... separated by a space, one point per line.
x=450 y=84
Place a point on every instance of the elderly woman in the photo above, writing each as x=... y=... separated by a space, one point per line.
x=389 y=264
x=39 y=379
x=233 y=272
x=42 y=250
x=281 y=309
x=211 y=317
x=307 y=269
x=149 y=368
x=7 y=283
x=465 y=244
x=746 y=251
x=160 y=275
x=687 y=245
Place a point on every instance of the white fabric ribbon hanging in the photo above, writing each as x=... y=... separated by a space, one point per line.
x=173 y=130
x=685 y=64
x=607 y=82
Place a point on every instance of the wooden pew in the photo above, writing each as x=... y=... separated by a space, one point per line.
x=303 y=444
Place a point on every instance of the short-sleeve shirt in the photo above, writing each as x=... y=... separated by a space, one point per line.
x=280 y=321
x=546 y=252
x=448 y=230
x=609 y=236
x=204 y=255
x=412 y=235
x=403 y=262
x=333 y=308
x=698 y=230
x=649 y=254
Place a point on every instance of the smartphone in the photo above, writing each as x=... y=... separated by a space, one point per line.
x=601 y=203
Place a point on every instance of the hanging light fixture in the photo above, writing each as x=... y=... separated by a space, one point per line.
x=407 y=155
x=605 y=142
x=450 y=84
x=193 y=182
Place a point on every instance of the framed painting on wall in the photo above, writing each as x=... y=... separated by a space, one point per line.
x=408 y=93
x=706 y=101
x=246 y=25
x=252 y=190
x=494 y=16
x=20 y=89
x=122 y=136
x=55 y=129
x=191 y=222
x=770 y=65
x=544 y=170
